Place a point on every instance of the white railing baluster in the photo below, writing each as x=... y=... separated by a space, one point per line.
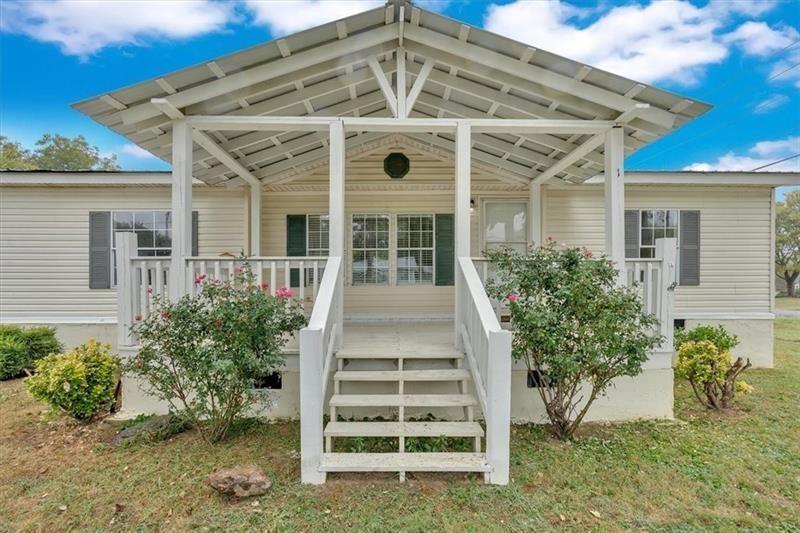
x=302 y=281
x=273 y=277
x=287 y=274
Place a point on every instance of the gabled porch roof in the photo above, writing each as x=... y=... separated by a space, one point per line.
x=440 y=67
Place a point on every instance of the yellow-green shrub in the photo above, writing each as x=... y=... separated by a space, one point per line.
x=710 y=372
x=80 y=382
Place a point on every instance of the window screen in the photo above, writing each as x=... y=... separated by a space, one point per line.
x=415 y=249
x=317 y=238
x=370 y=250
x=505 y=225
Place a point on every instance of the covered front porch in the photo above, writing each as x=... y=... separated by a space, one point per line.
x=286 y=121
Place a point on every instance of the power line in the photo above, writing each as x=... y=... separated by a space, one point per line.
x=776 y=162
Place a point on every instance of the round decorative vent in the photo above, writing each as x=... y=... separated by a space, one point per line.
x=396 y=165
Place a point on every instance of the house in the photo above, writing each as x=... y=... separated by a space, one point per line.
x=367 y=163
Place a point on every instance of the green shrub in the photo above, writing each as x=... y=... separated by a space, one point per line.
x=714 y=379
x=12 y=354
x=716 y=335
x=203 y=353
x=20 y=348
x=80 y=382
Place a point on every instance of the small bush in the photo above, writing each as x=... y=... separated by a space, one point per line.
x=20 y=348
x=709 y=371
x=717 y=335
x=80 y=382
x=12 y=354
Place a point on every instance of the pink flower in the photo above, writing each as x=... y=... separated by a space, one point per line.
x=199 y=279
x=238 y=270
x=137 y=318
x=264 y=286
x=587 y=253
x=512 y=297
x=283 y=292
x=165 y=314
x=149 y=290
x=218 y=322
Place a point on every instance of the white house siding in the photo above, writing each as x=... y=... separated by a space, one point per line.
x=44 y=245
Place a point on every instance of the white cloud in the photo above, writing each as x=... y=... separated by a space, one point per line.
x=82 y=27
x=136 y=151
x=769 y=104
x=759 y=39
x=663 y=40
x=760 y=154
x=289 y=16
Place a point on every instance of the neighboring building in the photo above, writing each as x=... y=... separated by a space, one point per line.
x=503 y=144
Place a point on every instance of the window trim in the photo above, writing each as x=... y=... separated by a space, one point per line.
x=397 y=249
x=500 y=200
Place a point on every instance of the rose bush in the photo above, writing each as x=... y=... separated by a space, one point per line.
x=574 y=328
x=202 y=353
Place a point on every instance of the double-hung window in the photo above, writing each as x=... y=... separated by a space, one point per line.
x=370 y=249
x=656 y=224
x=153 y=231
x=317 y=235
x=415 y=249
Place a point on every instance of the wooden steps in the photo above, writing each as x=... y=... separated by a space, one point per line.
x=404 y=462
x=403 y=429
x=405 y=400
x=456 y=374
x=388 y=358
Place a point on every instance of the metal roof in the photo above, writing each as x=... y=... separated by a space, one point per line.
x=325 y=71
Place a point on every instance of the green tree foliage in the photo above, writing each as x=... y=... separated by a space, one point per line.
x=787 y=240
x=574 y=328
x=55 y=152
x=203 y=353
x=80 y=382
x=21 y=347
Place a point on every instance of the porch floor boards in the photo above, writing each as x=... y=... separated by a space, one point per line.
x=392 y=340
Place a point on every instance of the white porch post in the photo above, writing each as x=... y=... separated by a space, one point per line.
x=126 y=286
x=535 y=214
x=667 y=252
x=614 y=183
x=462 y=218
x=336 y=234
x=255 y=220
x=181 y=208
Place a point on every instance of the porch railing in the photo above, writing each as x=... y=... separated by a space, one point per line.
x=318 y=342
x=488 y=349
x=653 y=279
x=141 y=280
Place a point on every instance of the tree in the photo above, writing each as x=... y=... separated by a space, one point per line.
x=787 y=240
x=55 y=152
x=574 y=328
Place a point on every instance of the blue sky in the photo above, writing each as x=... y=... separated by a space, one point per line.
x=742 y=56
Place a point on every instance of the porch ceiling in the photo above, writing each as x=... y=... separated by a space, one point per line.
x=466 y=72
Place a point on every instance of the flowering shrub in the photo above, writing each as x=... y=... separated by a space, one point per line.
x=714 y=378
x=573 y=326
x=80 y=382
x=202 y=353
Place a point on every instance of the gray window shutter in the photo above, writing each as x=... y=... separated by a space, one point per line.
x=99 y=250
x=445 y=254
x=689 y=248
x=295 y=243
x=195 y=246
x=632 y=233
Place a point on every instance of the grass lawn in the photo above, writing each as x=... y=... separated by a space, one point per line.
x=702 y=471
x=787 y=304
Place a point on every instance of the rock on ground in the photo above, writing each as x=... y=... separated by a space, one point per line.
x=240 y=481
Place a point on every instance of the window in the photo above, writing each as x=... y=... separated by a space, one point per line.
x=415 y=249
x=153 y=233
x=505 y=224
x=656 y=224
x=370 y=250
x=317 y=235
